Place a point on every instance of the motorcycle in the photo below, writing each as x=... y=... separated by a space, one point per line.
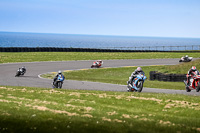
x=97 y=64
x=137 y=83
x=20 y=71
x=183 y=59
x=194 y=83
x=58 y=83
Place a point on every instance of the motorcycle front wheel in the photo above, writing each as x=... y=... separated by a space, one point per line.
x=140 y=86
x=187 y=89
x=17 y=74
x=60 y=85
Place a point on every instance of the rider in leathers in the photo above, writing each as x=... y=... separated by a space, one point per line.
x=190 y=72
x=56 y=77
x=134 y=74
x=186 y=58
x=23 y=70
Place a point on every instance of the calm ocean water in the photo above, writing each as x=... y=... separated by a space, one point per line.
x=15 y=39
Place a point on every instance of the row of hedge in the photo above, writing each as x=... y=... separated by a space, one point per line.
x=55 y=49
x=154 y=75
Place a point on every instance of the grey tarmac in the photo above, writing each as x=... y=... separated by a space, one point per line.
x=34 y=69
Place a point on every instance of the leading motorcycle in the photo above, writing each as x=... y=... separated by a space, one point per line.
x=137 y=83
x=194 y=83
x=20 y=71
x=183 y=59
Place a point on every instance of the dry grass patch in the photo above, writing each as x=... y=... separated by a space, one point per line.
x=181 y=104
x=144 y=98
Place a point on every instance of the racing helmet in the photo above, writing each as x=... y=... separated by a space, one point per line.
x=186 y=56
x=59 y=72
x=194 y=68
x=139 y=69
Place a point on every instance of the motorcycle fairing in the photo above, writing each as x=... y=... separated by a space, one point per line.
x=60 y=78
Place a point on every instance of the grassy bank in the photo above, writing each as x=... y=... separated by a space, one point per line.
x=25 y=109
x=6 y=57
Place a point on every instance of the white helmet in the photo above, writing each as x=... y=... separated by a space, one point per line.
x=194 y=68
x=139 y=69
x=186 y=56
x=59 y=72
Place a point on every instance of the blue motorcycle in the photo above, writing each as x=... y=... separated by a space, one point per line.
x=137 y=83
x=58 y=83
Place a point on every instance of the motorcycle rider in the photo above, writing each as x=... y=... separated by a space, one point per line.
x=186 y=58
x=134 y=74
x=23 y=70
x=191 y=72
x=97 y=63
x=19 y=72
x=56 y=77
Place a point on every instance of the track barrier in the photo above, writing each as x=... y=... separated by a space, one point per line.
x=154 y=75
x=56 y=49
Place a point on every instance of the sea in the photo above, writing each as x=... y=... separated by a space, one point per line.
x=21 y=39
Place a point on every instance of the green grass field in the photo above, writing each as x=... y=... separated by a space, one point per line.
x=29 y=110
x=6 y=57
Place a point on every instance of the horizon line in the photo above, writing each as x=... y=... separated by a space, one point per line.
x=96 y=34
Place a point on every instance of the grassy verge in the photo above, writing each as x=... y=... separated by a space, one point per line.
x=6 y=57
x=25 y=109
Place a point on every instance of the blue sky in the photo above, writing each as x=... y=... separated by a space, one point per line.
x=162 y=18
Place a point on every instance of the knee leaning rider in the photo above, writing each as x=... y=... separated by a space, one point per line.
x=58 y=74
x=192 y=71
x=23 y=69
x=135 y=73
x=186 y=58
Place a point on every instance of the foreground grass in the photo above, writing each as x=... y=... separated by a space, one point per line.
x=6 y=57
x=25 y=109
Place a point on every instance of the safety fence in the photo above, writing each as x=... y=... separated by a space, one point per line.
x=154 y=75
x=56 y=49
x=159 y=48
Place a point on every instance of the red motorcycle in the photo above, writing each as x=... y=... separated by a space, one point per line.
x=194 y=83
x=97 y=64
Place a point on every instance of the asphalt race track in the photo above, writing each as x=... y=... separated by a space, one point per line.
x=34 y=69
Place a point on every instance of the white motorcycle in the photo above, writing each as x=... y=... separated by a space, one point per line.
x=184 y=59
